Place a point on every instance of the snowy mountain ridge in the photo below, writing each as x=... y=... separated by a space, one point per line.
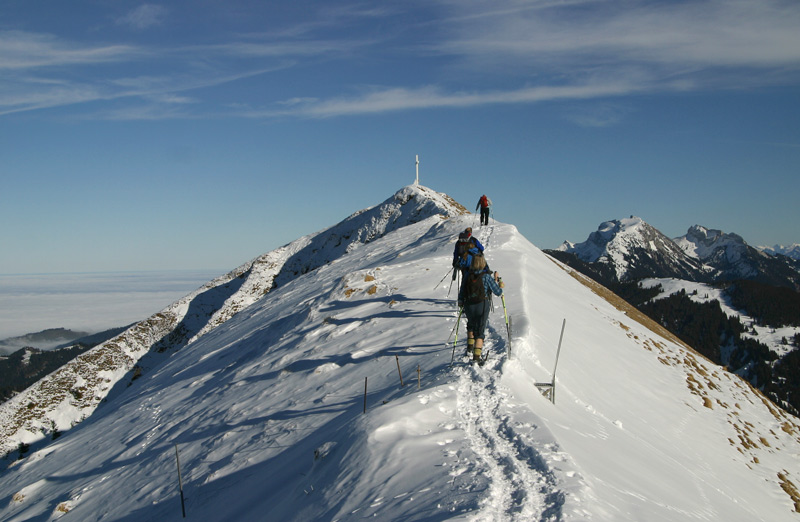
x=704 y=243
x=792 y=251
x=70 y=394
x=634 y=249
x=293 y=410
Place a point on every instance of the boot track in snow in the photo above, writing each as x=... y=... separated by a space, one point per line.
x=520 y=486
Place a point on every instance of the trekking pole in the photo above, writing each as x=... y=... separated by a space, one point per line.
x=440 y=282
x=454 y=327
x=458 y=321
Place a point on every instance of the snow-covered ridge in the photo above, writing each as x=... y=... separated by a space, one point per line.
x=69 y=395
x=267 y=410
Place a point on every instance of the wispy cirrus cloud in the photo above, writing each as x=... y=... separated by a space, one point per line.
x=43 y=71
x=20 y=50
x=660 y=36
x=377 y=101
x=588 y=50
x=464 y=53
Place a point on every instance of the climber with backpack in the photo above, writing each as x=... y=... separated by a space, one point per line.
x=484 y=203
x=475 y=297
x=462 y=253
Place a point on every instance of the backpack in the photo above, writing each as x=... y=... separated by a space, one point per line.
x=465 y=259
x=464 y=243
x=484 y=202
x=474 y=291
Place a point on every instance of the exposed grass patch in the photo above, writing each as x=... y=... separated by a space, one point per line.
x=790 y=489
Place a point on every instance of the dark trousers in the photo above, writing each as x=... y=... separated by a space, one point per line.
x=484 y=215
x=477 y=317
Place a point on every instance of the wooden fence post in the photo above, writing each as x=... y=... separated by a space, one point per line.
x=180 y=481
x=397 y=358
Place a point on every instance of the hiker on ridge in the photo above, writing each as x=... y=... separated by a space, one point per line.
x=484 y=203
x=466 y=246
x=475 y=296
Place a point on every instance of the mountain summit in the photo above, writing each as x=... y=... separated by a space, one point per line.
x=633 y=249
x=732 y=258
x=331 y=396
x=70 y=394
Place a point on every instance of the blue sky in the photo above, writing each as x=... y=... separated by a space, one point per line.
x=200 y=134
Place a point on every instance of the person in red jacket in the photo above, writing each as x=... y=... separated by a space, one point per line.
x=484 y=203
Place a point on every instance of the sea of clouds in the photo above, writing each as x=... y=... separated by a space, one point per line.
x=90 y=302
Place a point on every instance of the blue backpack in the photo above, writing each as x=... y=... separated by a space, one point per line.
x=465 y=261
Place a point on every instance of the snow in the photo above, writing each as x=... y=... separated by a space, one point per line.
x=266 y=408
x=773 y=338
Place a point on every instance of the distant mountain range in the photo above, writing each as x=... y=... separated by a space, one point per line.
x=748 y=315
x=631 y=249
x=792 y=251
x=43 y=340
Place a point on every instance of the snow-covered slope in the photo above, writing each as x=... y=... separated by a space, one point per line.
x=775 y=338
x=634 y=249
x=267 y=410
x=69 y=395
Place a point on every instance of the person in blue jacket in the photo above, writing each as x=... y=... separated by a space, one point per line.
x=475 y=296
x=465 y=247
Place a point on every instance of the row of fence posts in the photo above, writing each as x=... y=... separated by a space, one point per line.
x=402 y=384
x=547 y=389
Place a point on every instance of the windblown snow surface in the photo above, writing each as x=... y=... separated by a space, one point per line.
x=267 y=410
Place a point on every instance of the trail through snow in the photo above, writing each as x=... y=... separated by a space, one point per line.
x=519 y=483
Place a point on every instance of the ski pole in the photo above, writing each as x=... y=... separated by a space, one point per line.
x=456 y=274
x=458 y=322
x=450 y=288
x=440 y=282
x=454 y=327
